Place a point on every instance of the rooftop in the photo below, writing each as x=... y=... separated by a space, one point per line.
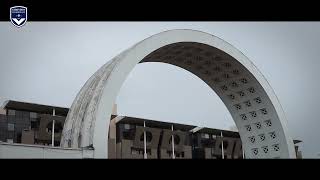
x=32 y=107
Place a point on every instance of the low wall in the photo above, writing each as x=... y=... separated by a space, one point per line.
x=24 y=151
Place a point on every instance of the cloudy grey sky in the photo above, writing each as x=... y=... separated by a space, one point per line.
x=48 y=63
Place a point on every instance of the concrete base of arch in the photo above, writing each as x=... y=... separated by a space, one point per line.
x=240 y=85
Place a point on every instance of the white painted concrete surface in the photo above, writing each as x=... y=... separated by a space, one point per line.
x=24 y=151
x=256 y=111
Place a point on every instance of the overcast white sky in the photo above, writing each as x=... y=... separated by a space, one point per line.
x=48 y=63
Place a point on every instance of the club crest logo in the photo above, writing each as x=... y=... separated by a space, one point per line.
x=18 y=15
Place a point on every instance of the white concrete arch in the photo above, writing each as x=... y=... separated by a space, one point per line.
x=243 y=89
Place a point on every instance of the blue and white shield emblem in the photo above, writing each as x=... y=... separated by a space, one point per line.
x=18 y=15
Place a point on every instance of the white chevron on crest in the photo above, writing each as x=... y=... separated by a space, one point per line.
x=18 y=21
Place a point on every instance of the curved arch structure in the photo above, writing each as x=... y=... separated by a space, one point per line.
x=243 y=89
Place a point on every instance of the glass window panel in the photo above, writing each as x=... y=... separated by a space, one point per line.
x=11 y=112
x=10 y=127
x=19 y=114
x=25 y=114
x=33 y=115
x=127 y=126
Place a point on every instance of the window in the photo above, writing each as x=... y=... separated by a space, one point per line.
x=33 y=115
x=25 y=114
x=10 y=127
x=35 y=124
x=19 y=114
x=205 y=136
x=225 y=145
x=177 y=139
x=126 y=126
x=11 y=112
x=57 y=127
x=148 y=136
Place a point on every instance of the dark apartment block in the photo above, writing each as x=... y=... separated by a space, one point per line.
x=29 y=123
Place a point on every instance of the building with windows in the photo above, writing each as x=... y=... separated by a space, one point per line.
x=129 y=137
x=29 y=123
